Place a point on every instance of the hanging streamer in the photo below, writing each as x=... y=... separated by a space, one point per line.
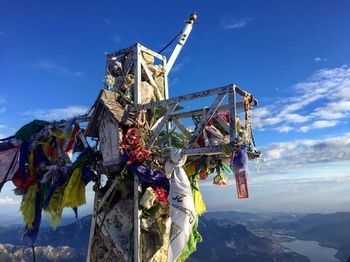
x=239 y=164
x=8 y=165
x=28 y=205
x=74 y=192
x=31 y=232
x=53 y=212
x=182 y=210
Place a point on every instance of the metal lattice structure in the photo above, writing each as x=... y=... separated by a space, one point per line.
x=116 y=233
x=136 y=98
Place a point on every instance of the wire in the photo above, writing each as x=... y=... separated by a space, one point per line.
x=33 y=251
x=170 y=42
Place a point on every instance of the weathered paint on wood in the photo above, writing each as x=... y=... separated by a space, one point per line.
x=232 y=102
x=137 y=74
x=223 y=108
x=182 y=128
x=108 y=134
x=192 y=96
x=151 y=52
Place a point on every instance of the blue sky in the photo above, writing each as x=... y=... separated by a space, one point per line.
x=292 y=55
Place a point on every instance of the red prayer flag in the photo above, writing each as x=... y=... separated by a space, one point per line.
x=242 y=184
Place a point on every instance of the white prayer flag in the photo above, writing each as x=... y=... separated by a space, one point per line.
x=182 y=210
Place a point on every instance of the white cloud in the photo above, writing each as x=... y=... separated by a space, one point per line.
x=319 y=59
x=295 y=118
x=8 y=201
x=325 y=96
x=50 y=66
x=284 y=129
x=334 y=110
x=57 y=113
x=281 y=157
x=232 y=23
x=6 y=131
x=318 y=124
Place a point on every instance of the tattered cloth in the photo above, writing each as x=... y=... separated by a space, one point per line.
x=8 y=164
x=239 y=163
x=26 y=131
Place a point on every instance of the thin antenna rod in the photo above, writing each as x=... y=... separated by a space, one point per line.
x=182 y=40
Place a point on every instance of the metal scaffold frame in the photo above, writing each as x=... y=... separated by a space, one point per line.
x=170 y=119
x=117 y=110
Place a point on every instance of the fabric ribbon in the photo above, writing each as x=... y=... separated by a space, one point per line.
x=71 y=140
x=149 y=177
x=31 y=231
x=182 y=210
x=74 y=192
x=8 y=165
x=239 y=163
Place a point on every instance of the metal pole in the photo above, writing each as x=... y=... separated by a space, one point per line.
x=137 y=215
x=232 y=106
x=137 y=186
x=182 y=40
x=33 y=251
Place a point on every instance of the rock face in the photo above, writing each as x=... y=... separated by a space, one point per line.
x=10 y=253
x=236 y=243
x=112 y=241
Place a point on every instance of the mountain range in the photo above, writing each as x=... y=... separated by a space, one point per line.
x=227 y=236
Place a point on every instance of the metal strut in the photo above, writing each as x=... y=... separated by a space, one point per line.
x=182 y=40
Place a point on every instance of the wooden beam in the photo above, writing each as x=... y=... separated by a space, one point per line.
x=206 y=119
x=166 y=94
x=151 y=52
x=92 y=227
x=205 y=93
x=137 y=218
x=239 y=105
x=210 y=92
x=157 y=123
x=151 y=80
x=182 y=128
x=107 y=194
x=166 y=90
x=116 y=247
x=137 y=74
x=232 y=105
x=211 y=150
x=159 y=127
x=222 y=123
